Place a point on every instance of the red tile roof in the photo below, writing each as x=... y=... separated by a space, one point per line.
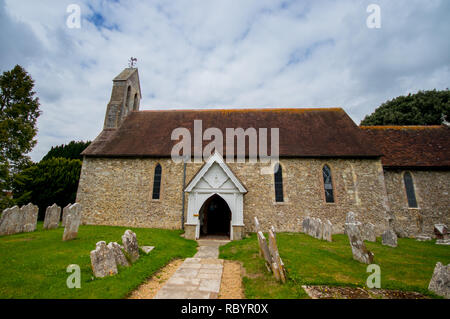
x=412 y=146
x=319 y=132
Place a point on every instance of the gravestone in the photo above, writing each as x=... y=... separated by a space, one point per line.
x=369 y=232
x=277 y=264
x=64 y=214
x=319 y=229
x=52 y=217
x=441 y=231
x=327 y=231
x=305 y=224
x=312 y=227
x=264 y=248
x=350 y=219
x=389 y=238
x=103 y=261
x=359 y=250
x=130 y=245
x=30 y=217
x=73 y=220
x=9 y=220
x=119 y=256
x=440 y=281
x=257 y=226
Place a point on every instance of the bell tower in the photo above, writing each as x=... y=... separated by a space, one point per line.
x=125 y=97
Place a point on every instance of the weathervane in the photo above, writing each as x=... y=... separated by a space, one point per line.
x=132 y=62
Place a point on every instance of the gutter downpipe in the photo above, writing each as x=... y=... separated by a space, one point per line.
x=182 y=194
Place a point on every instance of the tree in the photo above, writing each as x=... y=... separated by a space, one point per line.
x=19 y=110
x=50 y=181
x=70 y=151
x=423 y=108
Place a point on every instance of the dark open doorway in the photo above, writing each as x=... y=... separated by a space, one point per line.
x=215 y=217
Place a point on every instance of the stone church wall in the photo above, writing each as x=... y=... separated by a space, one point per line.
x=432 y=190
x=118 y=192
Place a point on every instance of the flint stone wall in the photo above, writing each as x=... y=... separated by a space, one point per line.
x=432 y=190
x=115 y=191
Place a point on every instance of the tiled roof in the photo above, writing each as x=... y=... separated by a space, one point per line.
x=412 y=146
x=320 y=132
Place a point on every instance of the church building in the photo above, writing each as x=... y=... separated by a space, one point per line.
x=326 y=166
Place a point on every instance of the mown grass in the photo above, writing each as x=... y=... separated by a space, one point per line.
x=310 y=261
x=33 y=265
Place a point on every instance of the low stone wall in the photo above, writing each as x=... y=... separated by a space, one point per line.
x=432 y=190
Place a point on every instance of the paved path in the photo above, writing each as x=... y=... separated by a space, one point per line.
x=198 y=277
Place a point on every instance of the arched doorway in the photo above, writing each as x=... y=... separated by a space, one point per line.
x=215 y=217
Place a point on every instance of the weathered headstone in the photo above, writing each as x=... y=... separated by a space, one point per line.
x=327 y=231
x=440 y=281
x=103 y=261
x=257 y=226
x=441 y=231
x=350 y=219
x=52 y=217
x=8 y=222
x=319 y=229
x=119 y=256
x=368 y=230
x=389 y=238
x=30 y=216
x=73 y=220
x=277 y=263
x=130 y=245
x=264 y=248
x=359 y=250
x=312 y=227
x=305 y=225
x=64 y=214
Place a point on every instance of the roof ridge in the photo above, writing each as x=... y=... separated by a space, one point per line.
x=400 y=127
x=301 y=109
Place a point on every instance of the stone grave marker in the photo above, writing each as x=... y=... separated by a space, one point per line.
x=119 y=256
x=440 y=281
x=72 y=222
x=52 y=217
x=130 y=245
x=103 y=261
x=389 y=238
x=359 y=250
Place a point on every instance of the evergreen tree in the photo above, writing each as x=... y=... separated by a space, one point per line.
x=422 y=108
x=19 y=110
x=69 y=151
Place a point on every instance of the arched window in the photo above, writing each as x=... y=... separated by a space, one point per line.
x=278 y=174
x=157 y=182
x=327 y=184
x=410 y=193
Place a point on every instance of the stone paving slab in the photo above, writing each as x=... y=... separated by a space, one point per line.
x=198 y=277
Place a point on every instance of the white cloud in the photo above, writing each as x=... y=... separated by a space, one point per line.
x=198 y=54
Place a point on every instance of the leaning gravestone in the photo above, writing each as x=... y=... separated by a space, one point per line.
x=30 y=216
x=277 y=264
x=349 y=219
x=52 y=217
x=73 y=220
x=130 y=244
x=64 y=214
x=440 y=281
x=442 y=235
x=119 y=256
x=327 y=231
x=264 y=249
x=257 y=226
x=369 y=232
x=103 y=261
x=359 y=250
x=389 y=238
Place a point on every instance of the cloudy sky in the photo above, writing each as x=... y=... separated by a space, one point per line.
x=222 y=54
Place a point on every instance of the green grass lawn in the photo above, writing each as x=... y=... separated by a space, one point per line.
x=33 y=265
x=310 y=261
